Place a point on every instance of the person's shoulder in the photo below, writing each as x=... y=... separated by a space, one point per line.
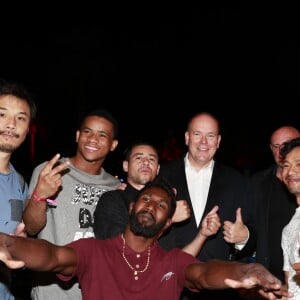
x=84 y=243
x=169 y=165
x=180 y=256
x=116 y=194
x=109 y=179
x=22 y=181
x=40 y=165
x=264 y=173
x=221 y=167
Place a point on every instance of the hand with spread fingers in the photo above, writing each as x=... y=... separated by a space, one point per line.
x=255 y=276
x=50 y=178
x=48 y=184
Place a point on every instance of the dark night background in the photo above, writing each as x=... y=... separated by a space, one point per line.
x=153 y=68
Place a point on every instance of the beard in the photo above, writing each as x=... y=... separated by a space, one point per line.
x=141 y=229
x=6 y=148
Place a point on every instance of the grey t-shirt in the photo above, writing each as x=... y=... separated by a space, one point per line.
x=70 y=220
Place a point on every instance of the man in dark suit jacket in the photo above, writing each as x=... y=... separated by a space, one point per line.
x=203 y=183
x=275 y=205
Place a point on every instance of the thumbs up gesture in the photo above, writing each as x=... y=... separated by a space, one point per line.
x=235 y=232
x=211 y=223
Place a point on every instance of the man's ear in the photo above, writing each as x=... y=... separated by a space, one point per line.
x=165 y=228
x=175 y=191
x=125 y=166
x=158 y=168
x=131 y=204
x=168 y=224
x=186 y=138
x=114 y=145
x=77 y=135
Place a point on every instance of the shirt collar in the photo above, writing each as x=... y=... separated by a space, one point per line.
x=189 y=166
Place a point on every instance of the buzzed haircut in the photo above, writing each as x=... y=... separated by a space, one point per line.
x=128 y=150
x=103 y=113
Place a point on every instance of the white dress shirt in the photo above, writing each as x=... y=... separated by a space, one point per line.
x=198 y=184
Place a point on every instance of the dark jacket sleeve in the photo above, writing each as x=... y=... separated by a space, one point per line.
x=249 y=218
x=111 y=215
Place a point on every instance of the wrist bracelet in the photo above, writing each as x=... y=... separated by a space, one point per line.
x=39 y=199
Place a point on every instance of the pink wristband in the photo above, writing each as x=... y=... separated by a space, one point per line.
x=39 y=199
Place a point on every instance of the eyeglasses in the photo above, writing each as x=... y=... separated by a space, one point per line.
x=276 y=146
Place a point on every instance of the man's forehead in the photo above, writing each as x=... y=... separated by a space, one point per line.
x=154 y=189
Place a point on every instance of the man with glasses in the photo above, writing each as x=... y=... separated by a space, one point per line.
x=275 y=205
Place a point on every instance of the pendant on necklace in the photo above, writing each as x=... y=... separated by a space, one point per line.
x=136 y=272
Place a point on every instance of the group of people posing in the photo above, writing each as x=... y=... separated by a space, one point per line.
x=179 y=230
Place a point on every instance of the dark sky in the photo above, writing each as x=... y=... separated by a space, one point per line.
x=154 y=67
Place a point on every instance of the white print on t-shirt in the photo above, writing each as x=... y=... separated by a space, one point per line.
x=86 y=196
x=167 y=276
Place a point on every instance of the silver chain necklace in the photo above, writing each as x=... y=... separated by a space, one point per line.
x=135 y=272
